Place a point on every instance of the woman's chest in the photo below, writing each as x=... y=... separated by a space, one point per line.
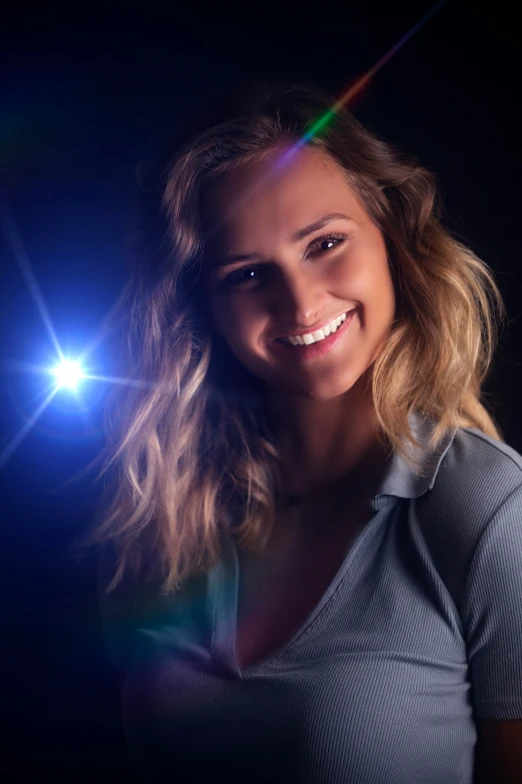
x=379 y=664
x=277 y=593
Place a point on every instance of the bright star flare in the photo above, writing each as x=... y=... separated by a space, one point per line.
x=68 y=374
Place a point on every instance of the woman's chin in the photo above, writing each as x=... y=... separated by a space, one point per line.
x=314 y=389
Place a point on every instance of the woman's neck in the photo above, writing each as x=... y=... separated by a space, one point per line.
x=321 y=441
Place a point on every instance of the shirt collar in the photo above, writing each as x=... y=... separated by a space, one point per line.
x=402 y=481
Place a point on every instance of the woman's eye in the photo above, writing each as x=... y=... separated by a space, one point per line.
x=325 y=244
x=241 y=277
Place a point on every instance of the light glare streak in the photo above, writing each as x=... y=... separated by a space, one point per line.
x=356 y=88
x=128 y=382
x=22 y=260
x=18 y=438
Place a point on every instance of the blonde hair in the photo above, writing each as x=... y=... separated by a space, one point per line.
x=189 y=452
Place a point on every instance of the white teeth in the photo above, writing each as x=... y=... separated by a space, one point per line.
x=315 y=337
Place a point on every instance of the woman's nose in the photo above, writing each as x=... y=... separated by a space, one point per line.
x=298 y=300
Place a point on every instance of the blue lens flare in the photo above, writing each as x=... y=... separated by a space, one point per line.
x=68 y=374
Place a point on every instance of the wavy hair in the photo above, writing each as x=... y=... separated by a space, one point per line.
x=189 y=452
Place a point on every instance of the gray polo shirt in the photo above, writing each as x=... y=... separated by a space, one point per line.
x=418 y=634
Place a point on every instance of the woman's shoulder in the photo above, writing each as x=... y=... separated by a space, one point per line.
x=479 y=469
x=465 y=470
x=489 y=446
x=472 y=509
x=478 y=486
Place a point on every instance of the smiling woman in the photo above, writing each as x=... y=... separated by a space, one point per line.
x=316 y=561
x=303 y=280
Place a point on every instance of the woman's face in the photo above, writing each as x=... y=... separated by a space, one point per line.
x=291 y=252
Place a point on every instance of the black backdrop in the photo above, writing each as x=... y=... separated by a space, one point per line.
x=87 y=95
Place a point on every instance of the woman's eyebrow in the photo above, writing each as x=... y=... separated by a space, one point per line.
x=298 y=235
x=318 y=224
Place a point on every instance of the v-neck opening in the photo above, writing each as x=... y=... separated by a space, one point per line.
x=226 y=600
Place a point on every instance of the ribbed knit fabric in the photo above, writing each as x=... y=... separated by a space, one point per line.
x=418 y=634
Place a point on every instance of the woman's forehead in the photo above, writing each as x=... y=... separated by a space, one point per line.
x=281 y=168
x=298 y=191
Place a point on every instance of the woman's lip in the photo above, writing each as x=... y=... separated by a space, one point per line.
x=305 y=353
x=316 y=329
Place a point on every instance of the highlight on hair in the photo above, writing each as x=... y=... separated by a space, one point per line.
x=189 y=453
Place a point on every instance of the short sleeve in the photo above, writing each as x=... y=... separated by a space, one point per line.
x=119 y=609
x=492 y=614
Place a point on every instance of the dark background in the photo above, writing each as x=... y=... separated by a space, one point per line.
x=86 y=95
